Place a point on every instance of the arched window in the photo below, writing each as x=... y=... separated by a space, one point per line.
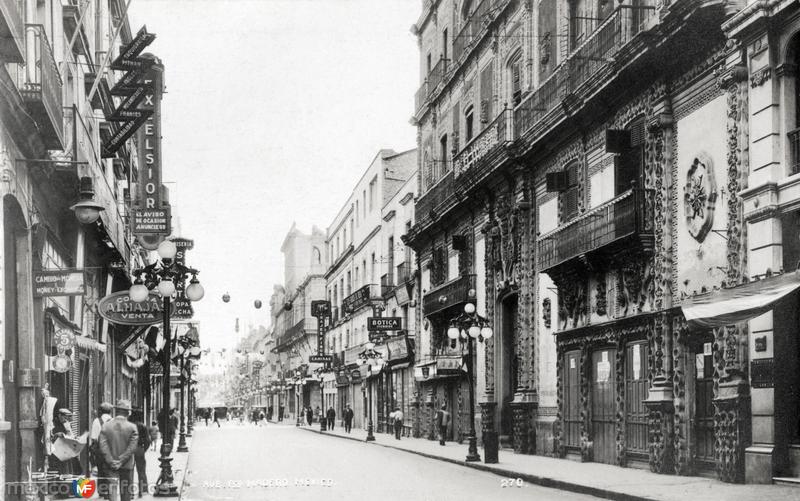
x=317 y=256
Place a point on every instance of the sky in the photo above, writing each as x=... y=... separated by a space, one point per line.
x=273 y=110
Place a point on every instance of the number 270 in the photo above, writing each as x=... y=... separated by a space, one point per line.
x=511 y=482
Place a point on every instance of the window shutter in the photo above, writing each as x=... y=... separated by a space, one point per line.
x=456 y=125
x=516 y=83
x=636 y=132
x=487 y=92
x=556 y=181
x=569 y=198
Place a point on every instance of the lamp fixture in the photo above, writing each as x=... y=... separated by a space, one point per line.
x=87 y=210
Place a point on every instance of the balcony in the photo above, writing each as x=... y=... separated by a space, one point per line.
x=586 y=62
x=623 y=222
x=292 y=335
x=404 y=273
x=425 y=208
x=794 y=151
x=432 y=81
x=387 y=286
x=486 y=142
x=471 y=30
x=40 y=86
x=449 y=294
x=12 y=31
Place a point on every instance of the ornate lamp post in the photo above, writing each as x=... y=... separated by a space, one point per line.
x=161 y=276
x=299 y=380
x=188 y=351
x=375 y=362
x=466 y=327
x=319 y=375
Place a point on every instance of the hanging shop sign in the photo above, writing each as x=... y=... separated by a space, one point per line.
x=151 y=215
x=132 y=91
x=118 y=308
x=47 y=283
x=60 y=363
x=383 y=324
x=356 y=300
x=183 y=306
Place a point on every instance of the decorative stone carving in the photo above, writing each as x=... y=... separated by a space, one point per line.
x=700 y=196
x=660 y=423
x=506 y=242
x=546 y=312
x=601 y=301
x=760 y=77
x=545 y=44
x=738 y=140
x=681 y=458
x=572 y=304
x=587 y=446
x=635 y=286
x=619 y=396
x=732 y=435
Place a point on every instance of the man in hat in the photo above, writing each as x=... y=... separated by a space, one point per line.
x=118 y=441
x=62 y=428
x=104 y=412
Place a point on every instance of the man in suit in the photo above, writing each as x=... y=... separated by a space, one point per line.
x=118 y=441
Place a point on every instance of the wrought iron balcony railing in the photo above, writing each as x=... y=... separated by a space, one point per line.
x=404 y=273
x=600 y=48
x=473 y=27
x=40 y=85
x=387 y=285
x=12 y=31
x=448 y=294
x=629 y=214
x=427 y=203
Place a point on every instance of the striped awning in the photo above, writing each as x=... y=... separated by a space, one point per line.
x=738 y=304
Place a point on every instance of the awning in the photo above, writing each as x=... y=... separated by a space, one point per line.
x=738 y=304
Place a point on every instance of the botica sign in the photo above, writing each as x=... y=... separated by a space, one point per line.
x=118 y=308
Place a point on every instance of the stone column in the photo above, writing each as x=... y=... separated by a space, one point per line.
x=659 y=402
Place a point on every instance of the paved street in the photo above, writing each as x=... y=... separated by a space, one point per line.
x=243 y=462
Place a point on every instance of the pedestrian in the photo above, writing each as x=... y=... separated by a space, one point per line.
x=142 y=445
x=270 y=412
x=261 y=417
x=281 y=410
x=442 y=421
x=318 y=413
x=152 y=431
x=62 y=428
x=205 y=416
x=215 y=417
x=331 y=415
x=398 y=422
x=119 y=439
x=174 y=422
x=104 y=411
x=309 y=415
x=348 y=418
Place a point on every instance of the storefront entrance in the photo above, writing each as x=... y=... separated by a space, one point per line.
x=636 y=392
x=703 y=412
x=603 y=405
x=508 y=370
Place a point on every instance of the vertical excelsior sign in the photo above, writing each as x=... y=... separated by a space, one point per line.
x=151 y=217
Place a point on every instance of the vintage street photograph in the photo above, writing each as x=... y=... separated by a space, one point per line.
x=403 y=250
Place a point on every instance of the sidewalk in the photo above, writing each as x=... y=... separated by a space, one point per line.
x=596 y=479
x=179 y=462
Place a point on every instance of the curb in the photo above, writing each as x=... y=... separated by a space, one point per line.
x=533 y=479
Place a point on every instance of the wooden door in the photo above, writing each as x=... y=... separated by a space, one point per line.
x=636 y=392
x=572 y=400
x=603 y=406
x=703 y=421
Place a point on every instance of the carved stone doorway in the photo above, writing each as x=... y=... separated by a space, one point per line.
x=702 y=412
x=507 y=373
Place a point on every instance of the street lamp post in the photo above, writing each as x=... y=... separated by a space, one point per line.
x=161 y=276
x=466 y=327
x=188 y=351
x=374 y=361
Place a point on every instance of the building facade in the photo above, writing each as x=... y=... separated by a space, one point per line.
x=591 y=187
x=53 y=106
x=294 y=327
x=357 y=243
